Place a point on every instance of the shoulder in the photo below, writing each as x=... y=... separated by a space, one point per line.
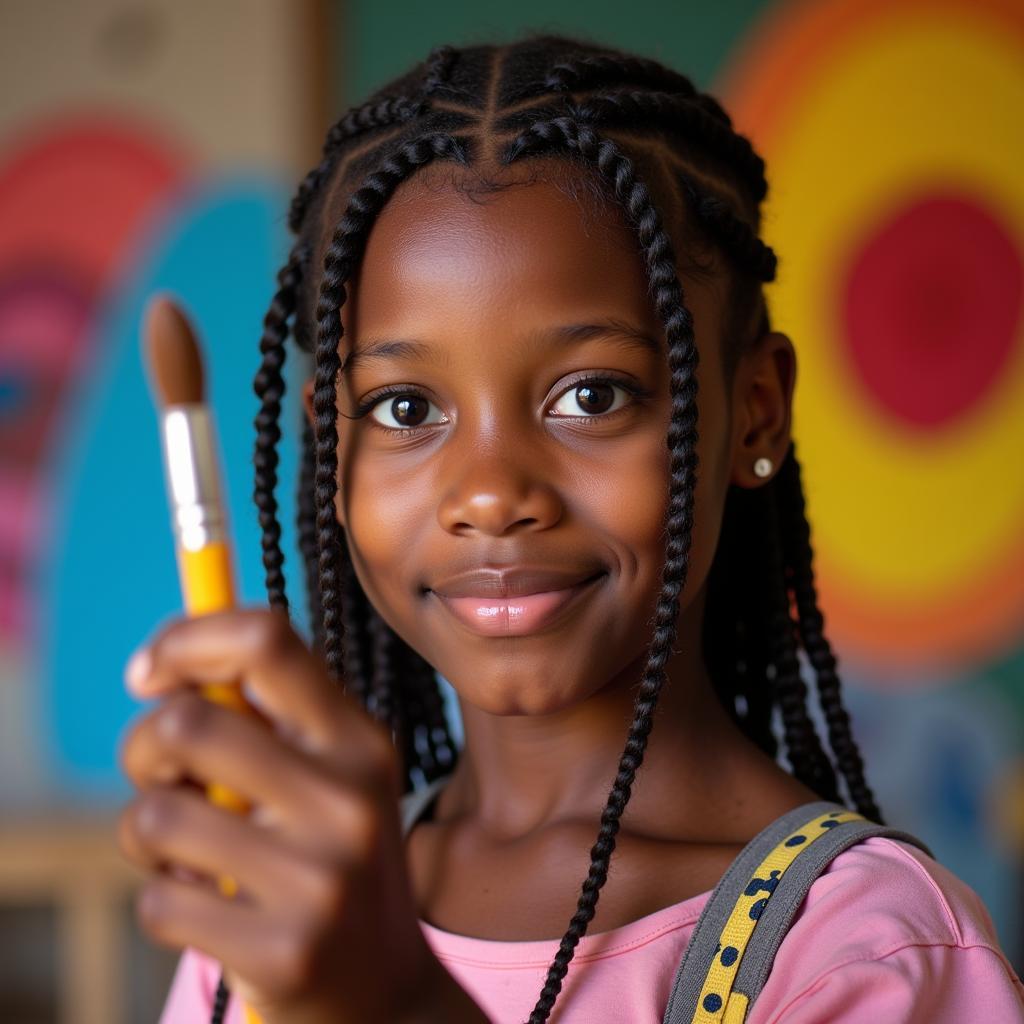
x=890 y=891
x=886 y=931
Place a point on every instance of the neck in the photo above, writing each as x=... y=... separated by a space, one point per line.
x=519 y=774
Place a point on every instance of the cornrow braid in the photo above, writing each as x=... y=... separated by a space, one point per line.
x=439 y=66
x=796 y=539
x=675 y=115
x=683 y=115
x=612 y=114
x=605 y=71
x=732 y=233
x=381 y=113
x=269 y=388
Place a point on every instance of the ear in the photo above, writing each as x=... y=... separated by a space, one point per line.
x=762 y=404
x=307 y=404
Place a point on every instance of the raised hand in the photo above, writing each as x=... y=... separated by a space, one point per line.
x=323 y=927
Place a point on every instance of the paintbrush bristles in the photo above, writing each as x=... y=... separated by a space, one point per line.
x=175 y=365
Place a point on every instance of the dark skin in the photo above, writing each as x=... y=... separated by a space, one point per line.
x=506 y=467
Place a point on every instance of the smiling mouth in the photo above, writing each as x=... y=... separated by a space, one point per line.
x=516 y=616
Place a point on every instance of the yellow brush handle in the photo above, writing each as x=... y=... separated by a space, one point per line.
x=207 y=585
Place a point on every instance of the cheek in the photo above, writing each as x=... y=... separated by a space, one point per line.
x=386 y=509
x=625 y=500
x=633 y=509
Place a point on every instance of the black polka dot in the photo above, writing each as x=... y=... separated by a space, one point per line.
x=796 y=840
x=757 y=909
x=829 y=824
x=729 y=955
x=712 y=1002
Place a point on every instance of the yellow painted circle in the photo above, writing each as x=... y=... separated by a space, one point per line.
x=914 y=106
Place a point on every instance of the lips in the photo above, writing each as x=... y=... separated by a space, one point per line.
x=514 y=602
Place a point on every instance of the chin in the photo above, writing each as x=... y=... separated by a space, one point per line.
x=518 y=695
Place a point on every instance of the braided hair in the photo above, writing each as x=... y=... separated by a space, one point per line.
x=633 y=129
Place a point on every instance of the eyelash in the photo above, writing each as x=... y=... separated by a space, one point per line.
x=639 y=395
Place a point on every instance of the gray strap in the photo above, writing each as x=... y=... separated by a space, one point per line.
x=703 y=944
x=413 y=804
x=779 y=909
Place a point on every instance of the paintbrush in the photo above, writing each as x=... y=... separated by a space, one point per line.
x=199 y=522
x=198 y=517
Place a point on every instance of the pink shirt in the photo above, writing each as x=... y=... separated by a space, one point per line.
x=885 y=934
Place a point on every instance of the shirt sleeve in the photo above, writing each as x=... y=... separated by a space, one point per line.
x=914 y=984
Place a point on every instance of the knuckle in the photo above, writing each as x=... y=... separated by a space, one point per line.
x=381 y=761
x=329 y=893
x=152 y=909
x=272 y=636
x=363 y=825
x=163 y=643
x=156 y=815
x=292 y=962
x=131 y=744
x=183 y=716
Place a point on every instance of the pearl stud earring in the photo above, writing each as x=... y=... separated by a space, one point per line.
x=763 y=467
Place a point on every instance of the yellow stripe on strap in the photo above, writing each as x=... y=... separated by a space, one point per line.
x=717 y=1003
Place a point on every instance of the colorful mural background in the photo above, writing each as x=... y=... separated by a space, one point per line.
x=891 y=134
x=896 y=206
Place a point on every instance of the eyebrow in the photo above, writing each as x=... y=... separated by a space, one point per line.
x=619 y=331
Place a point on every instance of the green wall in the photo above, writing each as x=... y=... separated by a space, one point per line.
x=379 y=40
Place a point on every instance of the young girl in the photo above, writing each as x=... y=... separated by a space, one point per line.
x=548 y=456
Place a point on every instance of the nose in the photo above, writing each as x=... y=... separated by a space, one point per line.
x=495 y=492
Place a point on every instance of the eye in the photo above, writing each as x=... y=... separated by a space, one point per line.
x=407 y=411
x=593 y=396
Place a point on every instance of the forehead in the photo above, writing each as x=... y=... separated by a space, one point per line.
x=536 y=240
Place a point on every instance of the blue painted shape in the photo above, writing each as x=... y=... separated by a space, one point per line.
x=110 y=578
x=937 y=753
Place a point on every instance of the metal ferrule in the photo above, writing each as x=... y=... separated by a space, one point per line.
x=193 y=477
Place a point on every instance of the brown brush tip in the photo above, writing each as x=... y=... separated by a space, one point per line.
x=172 y=353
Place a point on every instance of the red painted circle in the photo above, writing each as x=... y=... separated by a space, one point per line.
x=931 y=308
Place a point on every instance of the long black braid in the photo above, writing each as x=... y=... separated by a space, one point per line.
x=619 y=171
x=637 y=129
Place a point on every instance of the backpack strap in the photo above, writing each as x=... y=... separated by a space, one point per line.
x=733 y=946
x=414 y=803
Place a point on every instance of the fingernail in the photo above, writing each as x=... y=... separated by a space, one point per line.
x=137 y=670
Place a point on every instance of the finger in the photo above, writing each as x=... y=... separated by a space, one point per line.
x=188 y=737
x=288 y=681
x=171 y=826
x=274 y=950
x=179 y=914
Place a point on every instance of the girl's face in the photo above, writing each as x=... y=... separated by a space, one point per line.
x=497 y=449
